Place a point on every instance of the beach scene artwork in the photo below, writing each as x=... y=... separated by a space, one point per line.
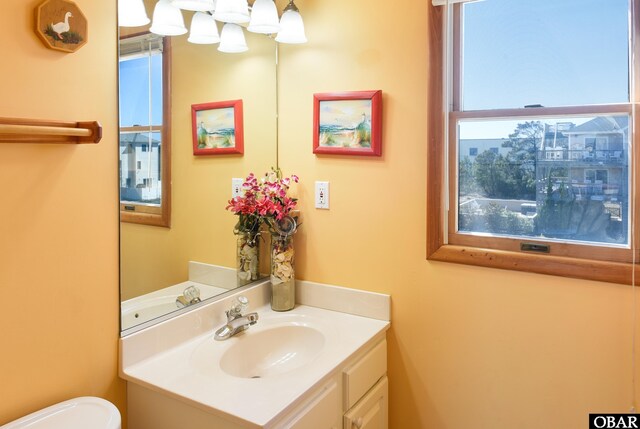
x=345 y=123
x=216 y=128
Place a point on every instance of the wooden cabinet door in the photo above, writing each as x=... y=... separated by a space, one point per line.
x=371 y=412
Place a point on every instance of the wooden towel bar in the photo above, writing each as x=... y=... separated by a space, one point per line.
x=13 y=130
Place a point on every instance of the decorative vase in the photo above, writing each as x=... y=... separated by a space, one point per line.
x=247 y=256
x=283 y=281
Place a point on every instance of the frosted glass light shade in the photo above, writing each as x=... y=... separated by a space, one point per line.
x=291 y=28
x=264 y=17
x=195 y=5
x=234 y=11
x=167 y=20
x=232 y=39
x=131 y=13
x=204 y=30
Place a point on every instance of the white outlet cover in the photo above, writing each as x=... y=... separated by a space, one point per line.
x=236 y=187
x=322 y=195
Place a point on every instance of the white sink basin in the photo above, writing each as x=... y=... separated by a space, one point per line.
x=278 y=344
x=273 y=351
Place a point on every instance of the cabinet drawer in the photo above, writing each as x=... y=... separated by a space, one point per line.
x=322 y=413
x=359 y=378
x=372 y=411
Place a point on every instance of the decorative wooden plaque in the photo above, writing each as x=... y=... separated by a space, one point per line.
x=61 y=25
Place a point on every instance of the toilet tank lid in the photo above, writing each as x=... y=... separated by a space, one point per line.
x=78 y=413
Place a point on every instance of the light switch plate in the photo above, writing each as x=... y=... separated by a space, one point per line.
x=322 y=195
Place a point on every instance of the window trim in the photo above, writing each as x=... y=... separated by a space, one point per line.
x=438 y=190
x=143 y=214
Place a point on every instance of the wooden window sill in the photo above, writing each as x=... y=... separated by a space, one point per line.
x=588 y=269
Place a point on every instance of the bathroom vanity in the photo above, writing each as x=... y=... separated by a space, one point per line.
x=321 y=365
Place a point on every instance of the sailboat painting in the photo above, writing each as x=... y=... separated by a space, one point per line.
x=217 y=128
x=348 y=123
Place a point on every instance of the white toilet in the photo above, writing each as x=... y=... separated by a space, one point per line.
x=86 y=412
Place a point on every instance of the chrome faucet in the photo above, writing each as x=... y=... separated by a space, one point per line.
x=190 y=296
x=236 y=322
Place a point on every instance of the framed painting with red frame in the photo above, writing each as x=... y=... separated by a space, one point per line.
x=348 y=123
x=217 y=128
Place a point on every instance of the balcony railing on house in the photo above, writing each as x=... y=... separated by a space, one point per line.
x=583 y=188
x=582 y=155
x=609 y=194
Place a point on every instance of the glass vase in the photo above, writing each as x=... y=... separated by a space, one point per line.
x=283 y=282
x=247 y=257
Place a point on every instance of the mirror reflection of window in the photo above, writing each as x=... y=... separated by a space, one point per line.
x=144 y=183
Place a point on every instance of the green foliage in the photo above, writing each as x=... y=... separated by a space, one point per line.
x=560 y=215
x=522 y=157
x=494 y=219
x=492 y=174
x=226 y=142
x=71 y=37
x=68 y=37
x=328 y=140
x=500 y=220
x=512 y=176
x=466 y=177
x=363 y=134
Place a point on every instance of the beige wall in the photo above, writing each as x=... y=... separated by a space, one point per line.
x=59 y=222
x=469 y=347
x=201 y=229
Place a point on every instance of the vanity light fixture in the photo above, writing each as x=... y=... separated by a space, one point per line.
x=194 y=5
x=264 y=17
x=131 y=13
x=204 y=30
x=232 y=39
x=292 y=27
x=167 y=20
x=233 y=11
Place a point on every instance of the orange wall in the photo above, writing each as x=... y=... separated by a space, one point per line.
x=59 y=221
x=469 y=347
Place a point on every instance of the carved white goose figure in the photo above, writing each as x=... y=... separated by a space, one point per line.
x=62 y=27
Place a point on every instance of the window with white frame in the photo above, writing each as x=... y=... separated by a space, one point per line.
x=560 y=185
x=144 y=137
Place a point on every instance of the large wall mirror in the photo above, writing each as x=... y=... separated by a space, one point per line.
x=198 y=246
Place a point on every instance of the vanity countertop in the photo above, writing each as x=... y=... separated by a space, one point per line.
x=193 y=371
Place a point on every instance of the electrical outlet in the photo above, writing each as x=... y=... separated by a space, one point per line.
x=322 y=195
x=236 y=187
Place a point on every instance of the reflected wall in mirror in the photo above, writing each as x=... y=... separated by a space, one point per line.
x=200 y=246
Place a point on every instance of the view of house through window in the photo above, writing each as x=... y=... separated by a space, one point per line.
x=141 y=115
x=558 y=178
x=141 y=174
x=543 y=121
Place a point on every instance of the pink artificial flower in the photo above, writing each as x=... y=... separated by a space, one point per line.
x=266 y=197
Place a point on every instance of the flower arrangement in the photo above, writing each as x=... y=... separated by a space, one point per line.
x=263 y=200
